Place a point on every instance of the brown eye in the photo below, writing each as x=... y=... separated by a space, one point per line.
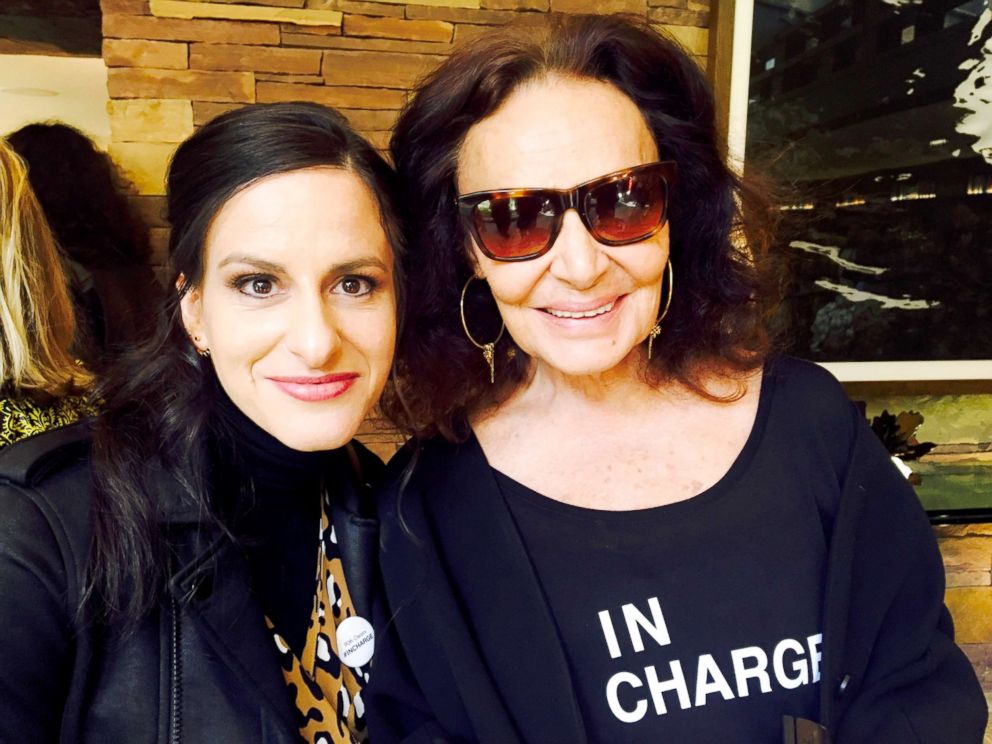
x=356 y=286
x=255 y=285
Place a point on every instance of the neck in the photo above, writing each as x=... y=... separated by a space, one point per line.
x=619 y=388
x=257 y=454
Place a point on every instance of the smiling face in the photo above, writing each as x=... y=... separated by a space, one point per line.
x=297 y=305
x=583 y=308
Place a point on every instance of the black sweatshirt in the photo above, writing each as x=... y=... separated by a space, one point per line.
x=468 y=648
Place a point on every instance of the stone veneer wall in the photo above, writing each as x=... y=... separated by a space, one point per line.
x=967 y=553
x=175 y=64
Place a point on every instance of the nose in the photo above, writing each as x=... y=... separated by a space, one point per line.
x=313 y=334
x=578 y=258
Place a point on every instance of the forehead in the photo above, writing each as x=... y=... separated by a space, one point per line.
x=555 y=132
x=295 y=214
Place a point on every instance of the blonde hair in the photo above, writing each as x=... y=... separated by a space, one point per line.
x=37 y=324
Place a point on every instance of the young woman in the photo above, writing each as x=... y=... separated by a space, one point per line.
x=632 y=523
x=202 y=572
x=41 y=385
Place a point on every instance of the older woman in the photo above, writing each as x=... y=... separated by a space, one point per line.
x=632 y=522
x=202 y=572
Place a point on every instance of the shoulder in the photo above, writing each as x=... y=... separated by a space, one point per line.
x=422 y=462
x=45 y=495
x=422 y=477
x=33 y=461
x=367 y=465
x=22 y=418
x=396 y=476
x=806 y=382
x=809 y=421
x=812 y=398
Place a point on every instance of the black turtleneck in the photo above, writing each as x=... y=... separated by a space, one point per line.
x=269 y=494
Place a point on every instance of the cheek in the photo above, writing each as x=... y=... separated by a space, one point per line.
x=239 y=340
x=513 y=284
x=510 y=283
x=374 y=335
x=646 y=263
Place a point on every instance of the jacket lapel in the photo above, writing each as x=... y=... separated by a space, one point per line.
x=357 y=534
x=492 y=579
x=214 y=589
x=212 y=584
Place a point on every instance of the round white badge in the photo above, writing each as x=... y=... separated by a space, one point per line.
x=356 y=641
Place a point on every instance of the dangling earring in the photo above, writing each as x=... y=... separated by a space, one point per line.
x=488 y=350
x=656 y=330
x=202 y=352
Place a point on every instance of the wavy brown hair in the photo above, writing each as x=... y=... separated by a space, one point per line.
x=720 y=223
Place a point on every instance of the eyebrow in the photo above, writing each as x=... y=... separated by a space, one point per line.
x=273 y=268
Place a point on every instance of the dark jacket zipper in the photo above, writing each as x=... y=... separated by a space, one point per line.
x=175 y=700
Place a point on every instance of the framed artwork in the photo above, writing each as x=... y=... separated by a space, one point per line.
x=876 y=116
x=943 y=443
x=955 y=491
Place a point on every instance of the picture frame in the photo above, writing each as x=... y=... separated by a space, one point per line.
x=730 y=73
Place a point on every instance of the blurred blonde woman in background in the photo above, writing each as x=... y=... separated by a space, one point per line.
x=41 y=385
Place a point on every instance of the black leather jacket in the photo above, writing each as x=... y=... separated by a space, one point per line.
x=200 y=668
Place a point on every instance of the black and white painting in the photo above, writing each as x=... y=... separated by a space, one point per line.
x=876 y=117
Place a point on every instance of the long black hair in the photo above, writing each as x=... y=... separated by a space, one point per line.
x=720 y=224
x=158 y=399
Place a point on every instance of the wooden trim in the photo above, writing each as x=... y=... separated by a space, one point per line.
x=720 y=58
x=729 y=70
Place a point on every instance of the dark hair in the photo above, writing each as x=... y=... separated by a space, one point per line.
x=82 y=195
x=720 y=228
x=159 y=398
x=77 y=187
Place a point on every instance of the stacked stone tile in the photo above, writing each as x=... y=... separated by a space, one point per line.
x=966 y=550
x=175 y=64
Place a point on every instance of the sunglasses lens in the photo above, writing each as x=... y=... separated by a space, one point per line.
x=514 y=226
x=628 y=209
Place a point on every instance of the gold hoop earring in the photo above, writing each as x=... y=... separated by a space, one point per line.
x=656 y=329
x=488 y=350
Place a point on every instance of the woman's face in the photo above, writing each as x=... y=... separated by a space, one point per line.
x=559 y=132
x=297 y=305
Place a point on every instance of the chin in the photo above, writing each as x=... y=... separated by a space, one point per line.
x=316 y=436
x=581 y=362
x=315 y=443
x=585 y=364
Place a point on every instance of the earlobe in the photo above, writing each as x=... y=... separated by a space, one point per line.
x=191 y=307
x=474 y=263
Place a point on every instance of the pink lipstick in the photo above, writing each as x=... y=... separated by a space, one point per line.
x=312 y=389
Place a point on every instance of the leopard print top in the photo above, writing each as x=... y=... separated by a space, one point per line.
x=327 y=693
x=21 y=417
